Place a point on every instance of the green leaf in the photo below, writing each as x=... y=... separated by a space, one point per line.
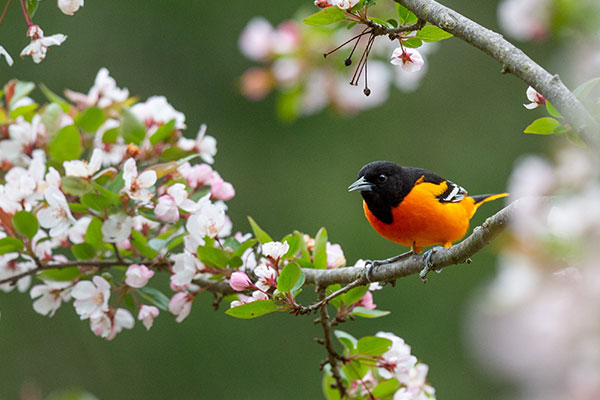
x=367 y=313
x=386 y=388
x=252 y=310
x=326 y=16
x=412 y=43
x=288 y=277
x=432 y=33
x=544 y=126
x=93 y=235
x=95 y=201
x=355 y=294
x=66 y=145
x=139 y=242
x=110 y=135
x=304 y=254
x=90 y=119
x=406 y=17
x=21 y=90
x=381 y=22
x=164 y=131
x=83 y=251
x=176 y=241
x=53 y=97
x=244 y=246
x=552 y=110
x=155 y=296
x=59 y=274
x=347 y=340
x=158 y=244
x=32 y=6
x=294 y=242
x=585 y=88
x=132 y=129
x=373 y=345
x=112 y=197
x=328 y=384
x=392 y=22
x=10 y=245
x=574 y=138
x=174 y=153
x=213 y=256
x=26 y=111
x=336 y=301
x=78 y=208
x=287 y=105
x=51 y=118
x=25 y=224
x=261 y=235
x=320 y=249
x=75 y=186
x=354 y=370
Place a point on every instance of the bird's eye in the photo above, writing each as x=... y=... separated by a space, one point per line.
x=382 y=178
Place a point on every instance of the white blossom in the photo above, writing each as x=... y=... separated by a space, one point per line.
x=116 y=228
x=40 y=43
x=205 y=145
x=207 y=219
x=91 y=298
x=267 y=277
x=57 y=216
x=83 y=169
x=147 y=315
x=275 y=249
x=7 y=56
x=136 y=186
x=69 y=7
x=50 y=296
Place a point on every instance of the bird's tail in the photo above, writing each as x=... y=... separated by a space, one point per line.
x=484 y=198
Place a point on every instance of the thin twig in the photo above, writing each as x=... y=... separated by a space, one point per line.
x=513 y=60
x=332 y=354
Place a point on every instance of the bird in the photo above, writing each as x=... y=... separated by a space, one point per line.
x=415 y=207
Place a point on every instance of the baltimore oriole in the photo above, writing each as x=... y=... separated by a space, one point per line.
x=415 y=207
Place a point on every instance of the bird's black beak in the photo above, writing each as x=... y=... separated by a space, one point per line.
x=361 y=184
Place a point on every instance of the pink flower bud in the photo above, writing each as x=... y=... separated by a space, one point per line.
x=197 y=175
x=322 y=3
x=147 y=315
x=137 y=275
x=181 y=305
x=239 y=281
x=367 y=301
x=221 y=190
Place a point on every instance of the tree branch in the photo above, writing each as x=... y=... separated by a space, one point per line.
x=351 y=276
x=457 y=254
x=514 y=61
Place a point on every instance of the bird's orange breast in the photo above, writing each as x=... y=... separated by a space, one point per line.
x=421 y=220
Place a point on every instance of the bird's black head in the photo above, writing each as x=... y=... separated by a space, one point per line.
x=382 y=185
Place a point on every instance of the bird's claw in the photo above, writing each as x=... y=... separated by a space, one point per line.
x=428 y=263
x=370 y=266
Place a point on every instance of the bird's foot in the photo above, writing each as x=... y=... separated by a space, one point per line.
x=428 y=263
x=371 y=265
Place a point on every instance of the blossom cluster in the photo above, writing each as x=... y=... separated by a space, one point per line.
x=101 y=183
x=39 y=43
x=536 y=324
x=381 y=367
x=291 y=62
x=101 y=193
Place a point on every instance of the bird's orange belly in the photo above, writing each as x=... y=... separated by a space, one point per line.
x=420 y=221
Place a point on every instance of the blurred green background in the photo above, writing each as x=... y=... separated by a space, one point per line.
x=464 y=123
